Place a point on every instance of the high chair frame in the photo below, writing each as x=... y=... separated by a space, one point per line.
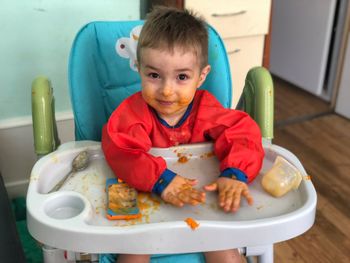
x=256 y=100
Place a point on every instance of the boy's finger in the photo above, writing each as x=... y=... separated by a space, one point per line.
x=222 y=198
x=198 y=196
x=185 y=197
x=249 y=198
x=191 y=182
x=211 y=187
x=237 y=200
x=228 y=200
x=172 y=199
x=192 y=197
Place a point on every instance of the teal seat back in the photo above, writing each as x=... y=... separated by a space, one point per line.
x=102 y=73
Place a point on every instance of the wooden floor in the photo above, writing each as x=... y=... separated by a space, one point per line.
x=305 y=125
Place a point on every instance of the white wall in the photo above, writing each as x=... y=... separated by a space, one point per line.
x=36 y=37
x=17 y=156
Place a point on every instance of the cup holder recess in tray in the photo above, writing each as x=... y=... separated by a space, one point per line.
x=64 y=206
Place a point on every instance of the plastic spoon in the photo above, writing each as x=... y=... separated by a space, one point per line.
x=80 y=162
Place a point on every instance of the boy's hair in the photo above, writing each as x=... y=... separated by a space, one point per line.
x=167 y=28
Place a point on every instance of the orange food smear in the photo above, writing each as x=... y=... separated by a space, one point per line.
x=308 y=177
x=146 y=201
x=207 y=155
x=192 y=223
x=183 y=159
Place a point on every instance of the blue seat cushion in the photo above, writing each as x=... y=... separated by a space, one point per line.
x=176 y=258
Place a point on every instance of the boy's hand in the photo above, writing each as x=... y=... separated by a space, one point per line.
x=180 y=192
x=230 y=192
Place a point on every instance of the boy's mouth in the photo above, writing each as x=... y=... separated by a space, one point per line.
x=165 y=103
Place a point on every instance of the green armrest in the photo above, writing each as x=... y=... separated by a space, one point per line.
x=43 y=115
x=257 y=99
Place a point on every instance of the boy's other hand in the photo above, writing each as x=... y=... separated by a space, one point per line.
x=180 y=191
x=230 y=192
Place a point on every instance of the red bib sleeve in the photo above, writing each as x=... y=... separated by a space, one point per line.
x=238 y=142
x=126 y=142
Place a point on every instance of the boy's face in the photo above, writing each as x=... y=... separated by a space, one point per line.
x=169 y=81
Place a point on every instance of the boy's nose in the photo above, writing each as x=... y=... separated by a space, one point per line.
x=167 y=89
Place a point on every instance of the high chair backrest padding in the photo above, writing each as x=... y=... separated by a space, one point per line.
x=102 y=72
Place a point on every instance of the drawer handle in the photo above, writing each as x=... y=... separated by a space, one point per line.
x=234 y=51
x=229 y=14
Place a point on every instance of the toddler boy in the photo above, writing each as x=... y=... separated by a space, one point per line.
x=172 y=58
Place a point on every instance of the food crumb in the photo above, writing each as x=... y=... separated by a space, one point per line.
x=307 y=177
x=191 y=223
x=183 y=159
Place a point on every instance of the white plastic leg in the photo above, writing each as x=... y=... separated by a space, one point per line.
x=267 y=257
x=264 y=253
x=53 y=255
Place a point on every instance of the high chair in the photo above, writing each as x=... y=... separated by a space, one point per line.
x=102 y=73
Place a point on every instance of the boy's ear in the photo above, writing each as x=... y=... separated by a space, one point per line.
x=203 y=75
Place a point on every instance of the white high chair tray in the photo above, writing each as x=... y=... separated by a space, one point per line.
x=74 y=218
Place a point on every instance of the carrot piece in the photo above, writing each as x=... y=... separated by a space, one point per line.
x=191 y=223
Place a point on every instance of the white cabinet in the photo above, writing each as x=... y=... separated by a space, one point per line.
x=300 y=42
x=342 y=105
x=243 y=25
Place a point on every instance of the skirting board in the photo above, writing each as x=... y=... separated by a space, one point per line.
x=17 y=156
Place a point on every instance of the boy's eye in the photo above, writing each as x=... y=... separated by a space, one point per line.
x=153 y=75
x=182 y=77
